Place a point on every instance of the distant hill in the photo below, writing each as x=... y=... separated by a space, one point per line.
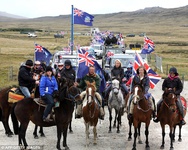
x=7 y=15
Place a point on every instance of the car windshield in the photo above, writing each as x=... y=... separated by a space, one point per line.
x=115 y=51
x=124 y=61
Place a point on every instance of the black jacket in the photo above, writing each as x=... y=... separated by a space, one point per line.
x=175 y=83
x=68 y=73
x=25 y=77
x=117 y=72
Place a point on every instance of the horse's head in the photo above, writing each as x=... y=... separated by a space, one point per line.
x=170 y=98
x=90 y=91
x=115 y=86
x=138 y=93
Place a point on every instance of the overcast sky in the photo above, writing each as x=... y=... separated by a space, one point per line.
x=38 y=8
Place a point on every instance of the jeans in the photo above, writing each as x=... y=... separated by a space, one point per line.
x=124 y=88
x=50 y=103
x=25 y=91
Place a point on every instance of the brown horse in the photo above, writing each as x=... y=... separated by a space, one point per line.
x=141 y=113
x=68 y=94
x=90 y=111
x=169 y=115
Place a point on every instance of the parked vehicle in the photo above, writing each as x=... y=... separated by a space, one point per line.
x=32 y=35
x=99 y=50
x=58 y=35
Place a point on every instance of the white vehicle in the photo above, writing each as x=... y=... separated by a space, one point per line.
x=32 y=35
x=99 y=50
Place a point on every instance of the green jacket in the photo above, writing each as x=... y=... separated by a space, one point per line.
x=89 y=78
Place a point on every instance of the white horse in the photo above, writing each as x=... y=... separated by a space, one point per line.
x=117 y=102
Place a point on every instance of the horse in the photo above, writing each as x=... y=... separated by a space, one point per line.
x=171 y=117
x=90 y=111
x=141 y=113
x=68 y=94
x=116 y=101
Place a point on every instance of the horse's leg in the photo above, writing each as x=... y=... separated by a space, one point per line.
x=135 y=136
x=116 y=113
x=110 y=120
x=65 y=138
x=87 y=134
x=70 y=127
x=171 y=138
x=174 y=132
x=130 y=133
x=22 y=133
x=95 y=135
x=35 y=132
x=41 y=132
x=118 y=121
x=14 y=120
x=180 y=139
x=58 y=138
x=163 y=136
x=146 y=134
x=139 y=137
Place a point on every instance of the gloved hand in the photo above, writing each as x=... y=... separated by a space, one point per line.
x=43 y=97
x=55 y=94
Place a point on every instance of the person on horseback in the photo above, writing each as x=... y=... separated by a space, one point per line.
x=59 y=70
x=141 y=75
x=68 y=72
x=91 y=77
x=48 y=87
x=173 y=81
x=37 y=69
x=117 y=72
x=25 y=79
x=128 y=72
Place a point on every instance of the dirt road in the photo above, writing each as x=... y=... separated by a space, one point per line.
x=106 y=141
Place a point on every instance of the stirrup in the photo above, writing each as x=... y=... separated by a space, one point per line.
x=182 y=122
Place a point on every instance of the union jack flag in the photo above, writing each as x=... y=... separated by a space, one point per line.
x=153 y=76
x=84 y=56
x=148 y=46
x=38 y=48
x=77 y=12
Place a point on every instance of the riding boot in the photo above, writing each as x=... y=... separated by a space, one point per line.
x=78 y=111
x=180 y=107
x=131 y=107
x=102 y=113
x=156 y=119
x=153 y=107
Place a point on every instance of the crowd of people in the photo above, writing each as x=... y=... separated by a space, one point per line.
x=47 y=78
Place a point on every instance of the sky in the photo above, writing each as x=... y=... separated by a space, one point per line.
x=38 y=8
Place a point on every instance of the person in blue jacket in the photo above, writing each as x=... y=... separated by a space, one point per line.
x=48 y=86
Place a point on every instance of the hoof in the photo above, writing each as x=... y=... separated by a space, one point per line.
x=36 y=136
x=173 y=140
x=162 y=147
x=180 y=140
x=9 y=135
x=140 y=142
x=134 y=148
x=70 y=131
x=118 y=131
x=129 y=139
x=114 y=126
x=109 y=131
x=67 y=148
x=147 y=148
x=172 y=148
x=94 y=143
x=43 y=135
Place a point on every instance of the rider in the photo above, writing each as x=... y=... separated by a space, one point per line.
x=25 y=79
x=141 y=75
x=37 y=69
x=128 y=72
x=117 y=72
x=173 y=81
x=48 y=86
x=68 y=72
x=59 y=70
x=91 y=77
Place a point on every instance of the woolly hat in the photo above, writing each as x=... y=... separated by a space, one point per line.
x=67 y=62
x=29 y=63
x=48 y=68
x=173 y=70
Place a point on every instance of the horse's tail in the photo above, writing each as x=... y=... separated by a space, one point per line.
x=14 y=120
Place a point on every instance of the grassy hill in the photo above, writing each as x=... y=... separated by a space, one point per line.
x=166 y=27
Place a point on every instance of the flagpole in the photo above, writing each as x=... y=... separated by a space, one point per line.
x=72 y=29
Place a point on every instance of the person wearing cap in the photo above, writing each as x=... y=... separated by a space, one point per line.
x=118 y=73
x=68 y=72
x=25 y=79
x=48 y=86
x=173 y=81
x=38 y=69
x=128 y=72
x=59 y=70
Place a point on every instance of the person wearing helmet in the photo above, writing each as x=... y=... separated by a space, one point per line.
x=68 y=72
x=25 y=78
x=38 y=69
x=128 y=72
x=173 y=81
x=48 y=86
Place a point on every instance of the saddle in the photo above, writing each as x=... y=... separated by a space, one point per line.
x=184 y=103
x=15 y=95
x=39 y=102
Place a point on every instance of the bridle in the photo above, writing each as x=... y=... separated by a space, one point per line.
x=170 y=106
x=71 y=97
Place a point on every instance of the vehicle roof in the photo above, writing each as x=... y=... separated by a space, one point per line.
x=122 y=56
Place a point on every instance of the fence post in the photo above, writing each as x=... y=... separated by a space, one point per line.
x=167 y=69
x=10 y=73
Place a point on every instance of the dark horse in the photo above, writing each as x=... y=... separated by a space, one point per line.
x=6 y=110
x=68 y=94
x=141 y=113
x=171 y=117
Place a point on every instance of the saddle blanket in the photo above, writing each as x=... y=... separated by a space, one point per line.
x=14 y=95
x=184 y=102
